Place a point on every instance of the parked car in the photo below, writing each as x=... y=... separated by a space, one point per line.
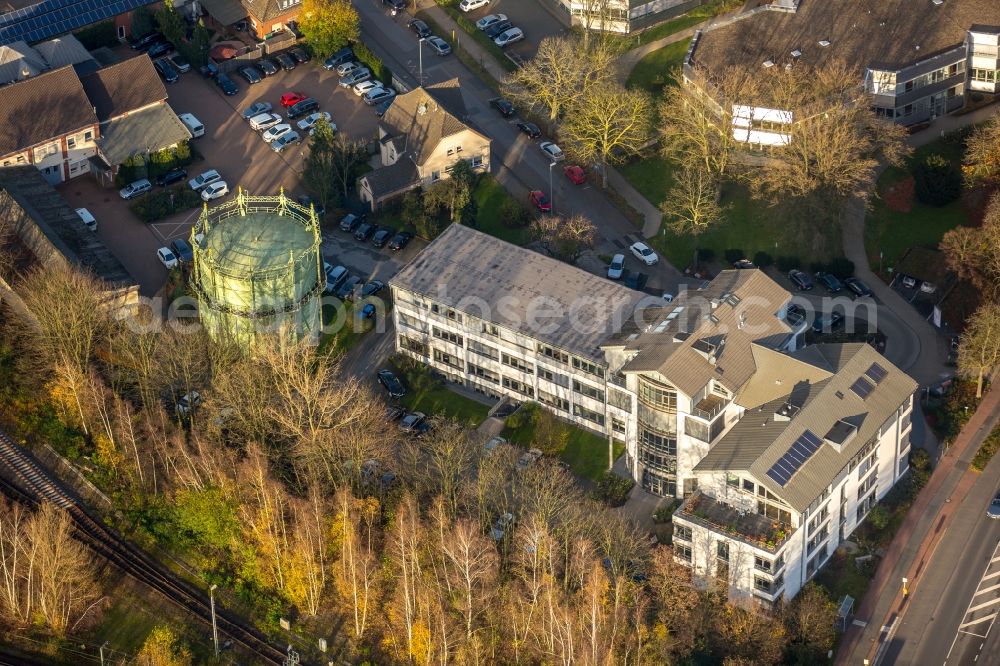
x=470 y=5
x=399 y=241
x=266 y=66
x=398 y=5
x=135 y=188
x=293 y=27
x=166 y=70
x=265 y=121
x=256 y=109
x=355 y=77
x=147 y=40
x=307 y=201
x=209 y=70
x=993 y=511
x=250 y=74
x=87 y=218
x=188 y=402
x=503 y=106
x=498 y=28
x=347 y=287
x=300 y=54
x=827 y=322
x=644 y=254
x=180 y=63
x=391 y=383
x=309 y=121
x=182 y=250
x=348 y=67
x=744 y=264
x=158 y=49
x=414 y=423
x=800 y=279
x=203 y=179
x=381 y=237
x=228 y=86
x=540 y=201
x=508 y=37
x=167 y=258
x=492 y=443
x=637 y=281
x=276 y=132
x=339 y=58
x=908 y=281
x=490 y=20
x=175 y=175
x=368 y=311
x=285 y=140
x=501 y=526
x=378 y=95
x=363 y=87
x=216 y=190
x=303 y=108
x=531 y=129
x=371 y=288
x=382 y=107
x=334 y=277
x=528 y=458
x=616 y=267
x=830 y=281
x=857 y=287
x=292 y=98
x=285 y=61
x=438 y=45
x=351 y=221
x=576 y=174
x=365 y=231
x=552 y=151
x=419 y=27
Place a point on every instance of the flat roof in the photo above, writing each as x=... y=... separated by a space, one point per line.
x=257 y=242
x=519 y=289
x=888 y=34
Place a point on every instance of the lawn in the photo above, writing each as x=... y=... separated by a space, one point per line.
x=489 y=197
x=425 y=393
x=347 y=335
x=585 y=452
x=652 y=175
x=652 y=73
x=693 y=17
x=842 y=576
x=893 y=232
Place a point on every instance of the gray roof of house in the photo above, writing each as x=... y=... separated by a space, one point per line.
x=41 y=108
x=124 y=87
x=151 y=129
x=64 y=50
x=61 y=225
x=225 y=12
x=391 y=179
x=735 y=310
x=759 y=439
x=519 y=289
x=19 y=61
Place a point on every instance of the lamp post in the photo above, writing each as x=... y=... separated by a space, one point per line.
x=552 y=193
x=215 y=629
x=101 y=650
x=420 y=51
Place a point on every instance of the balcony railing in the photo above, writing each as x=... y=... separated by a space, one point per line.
x=709 y=407
x=618 y=380
x=751 y=528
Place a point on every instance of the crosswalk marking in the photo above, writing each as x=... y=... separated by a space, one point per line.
x=981 y=606
x=985 y=618
x=988 y=589
x=992 y=575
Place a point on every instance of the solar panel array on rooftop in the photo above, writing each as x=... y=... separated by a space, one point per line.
x=55 y=17
x=797 y=454
x=876 y=373
x=862 y=387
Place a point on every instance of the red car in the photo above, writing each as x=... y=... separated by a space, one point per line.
x=540 y=201
x=292 y=98
x=575 y=174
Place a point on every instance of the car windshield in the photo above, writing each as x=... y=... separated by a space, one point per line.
x=617 y=263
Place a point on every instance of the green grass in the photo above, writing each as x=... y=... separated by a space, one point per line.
x=841 y=576
x=489 y=197
x=585 y=452
x=986 y=452
x=652 y=175
x=693 y=17
x=431 y=396
x=893 y=232
x=348 y=334
x=653 y=72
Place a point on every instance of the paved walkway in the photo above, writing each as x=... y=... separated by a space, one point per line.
x=628 y=60
x=651 y=215
x=914 y=544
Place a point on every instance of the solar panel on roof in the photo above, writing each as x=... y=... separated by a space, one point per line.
x=777 y=477
x=797 y=455
x=862 y=387
x=876 y=373
x=55 y=17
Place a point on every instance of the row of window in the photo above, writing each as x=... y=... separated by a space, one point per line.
x=588 y=390
x=985 y=75
x=517 y=363
x=449 y=336
x=657 y=396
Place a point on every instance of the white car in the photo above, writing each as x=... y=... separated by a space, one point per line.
x=166 y=258
x=644 y=254
x=508 y=37
x=276 y=132
x=204 y=179
x=552 y=151
x=616 y=267
x=215 y=190
x=378 y=95
x=469 y=5
x=87 y=219
x=263 y=121
x=363 y=87
x=347 y=68
x=489 y=20
x=285 y=140
x=313 y=118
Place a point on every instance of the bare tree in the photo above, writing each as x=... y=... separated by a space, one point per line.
x=973 y=253
x=692 y=204
x=565 y=238
x=810 y=620
x=979 y=347
x=473 y=563
x=358 y=564
x=607 y=124
x=441 y=461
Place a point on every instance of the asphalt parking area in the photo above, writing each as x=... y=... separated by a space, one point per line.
x=231 y=147
x=365 y=260
x=536 y=21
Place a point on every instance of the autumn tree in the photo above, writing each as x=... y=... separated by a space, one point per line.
x=562 y=72
x=170 y=23
x=809 y=623
x=973 y=253
x=979 y=346
x=163 y=647
x=982 y=153
x=357 y=569
x=565 y=238
x=333 y=164
x=692 y=204
x=607 y=124
x=440 y=461
x=329 y=25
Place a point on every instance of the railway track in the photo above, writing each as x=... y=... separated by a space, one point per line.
x=35 y=485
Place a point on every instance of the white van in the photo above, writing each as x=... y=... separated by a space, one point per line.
x=87 y=219
x=193 y=124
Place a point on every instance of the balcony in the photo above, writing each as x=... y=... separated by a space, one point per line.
x=618 y=379
x=751 y=528
x=709 y=407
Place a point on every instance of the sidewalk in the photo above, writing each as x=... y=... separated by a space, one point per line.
x=911 y=549
x=628 y=60
x=465 y=41
x=651 y=215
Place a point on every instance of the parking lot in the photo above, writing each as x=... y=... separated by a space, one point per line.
x=231 y=147
x=535 y=20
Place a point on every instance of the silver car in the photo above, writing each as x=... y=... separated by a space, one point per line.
x=994 y=509
x=284 y=140
x=357 y=76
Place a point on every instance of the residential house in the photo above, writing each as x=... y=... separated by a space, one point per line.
x=41 y=20
x=710 y=394
x=919 y=60
x=18 y=61
x=421 y=137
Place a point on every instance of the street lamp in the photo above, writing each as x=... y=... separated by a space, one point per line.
x=420 y=50
x=552 y=193
x=101 y=650
x=215 y=629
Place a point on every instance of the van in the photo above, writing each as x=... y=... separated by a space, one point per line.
x=133 y=190
x=302 y=108
x=193 y=124
x=87 y=219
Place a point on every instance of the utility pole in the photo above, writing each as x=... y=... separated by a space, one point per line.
x=101 y=650
x=215 y=628
x=552 y=192
x=420 y=50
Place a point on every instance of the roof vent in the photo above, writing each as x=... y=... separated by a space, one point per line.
x=422 y=108
x=786 y=412
x=824 y=42
x=840 y=434
x=768 y=63
x=796 y=53
x=681 y=336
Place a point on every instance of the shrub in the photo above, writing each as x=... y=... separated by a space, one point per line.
x=612 y=489
x=878 y=517
x=988 y=449
x=937 y=181
x=158 y=205
x=763 y=259
x=525 y=417
x=788 y=263
x=513 y=214
x=732 y=256
x=373 y=62
x=706 y=254
x=842 y=267
x=98 y=35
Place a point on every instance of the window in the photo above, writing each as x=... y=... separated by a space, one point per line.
x=984 y=75
x=6 y=162
x=71 y=142
x=657 y=396
x=748 y=485
x=588 y=414
x=762 y=584
x=588 y=367
x=658 y=461
x=442 y=334
x=490 y=329
x=554 y=354
x=553 y=401
x=554 y=377
x=88 y=136
x=517 y=363
x=413 y=345
x=762 y=564
x=865 y=506
x=722 y=550
x=682 y=532
x=682 y=551
x=622 y=401
x=618 y=426
x=588 y=390
x=908 y=86
x=477 y=161
x=774 y=513
x=868 y=484
x=483 y=373
x=819 y=518
x=483 y=350
x=20 y=159
x=518 y=387
x=447 y=359
x=446 y=312
x=908 y=110
x=435 y=176
x=732 y=480
x=657 y=441
x=817 y=539
x=866 y=465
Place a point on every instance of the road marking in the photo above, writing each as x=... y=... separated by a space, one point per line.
x=992 y=575
x=987 y=618
x=989 y=589
x=981 y=606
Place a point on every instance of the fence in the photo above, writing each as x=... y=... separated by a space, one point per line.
x=248 y=57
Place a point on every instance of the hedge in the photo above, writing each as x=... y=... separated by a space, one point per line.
x=98 y=35
x=373 y=62
x=160 y=162
x=987 y=450
x=158 y=205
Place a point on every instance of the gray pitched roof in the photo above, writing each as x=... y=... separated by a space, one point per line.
x=124 y=87
x=41 y=108
x=65 y=50
x=759 y=439
x=225 y=12
x=519 y=289
x=19 y=61
x=154 y=128
x=389 y=180
x=266 y=10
